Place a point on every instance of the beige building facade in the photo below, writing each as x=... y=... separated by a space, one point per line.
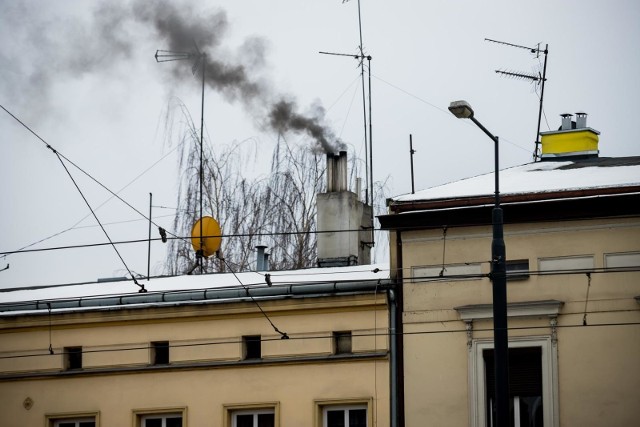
x=572 y=236
x=309 y=354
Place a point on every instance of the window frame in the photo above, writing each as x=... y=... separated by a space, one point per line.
x=249 y=408
x=139 y=415
x=340 y=404
x=53 y=420
x=477 y=375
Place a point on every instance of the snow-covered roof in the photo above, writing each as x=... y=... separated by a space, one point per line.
x=115 y=291
x=540 y=177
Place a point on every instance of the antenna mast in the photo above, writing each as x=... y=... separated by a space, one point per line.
x=536 y=78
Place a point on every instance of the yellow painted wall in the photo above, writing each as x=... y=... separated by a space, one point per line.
x=198 y=334
x=598 y=368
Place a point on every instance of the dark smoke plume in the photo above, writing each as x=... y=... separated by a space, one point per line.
x=236 y=80
x=54 y=50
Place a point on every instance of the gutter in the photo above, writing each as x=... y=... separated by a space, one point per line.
x=211 y=295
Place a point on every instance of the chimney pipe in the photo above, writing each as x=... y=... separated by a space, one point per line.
x=341 y=175
x=566 y=121
x=581 y=120
x=330 y=173
x=261 y=258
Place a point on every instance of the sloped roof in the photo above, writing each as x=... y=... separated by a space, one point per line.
x=186 y=289
x=540 y=177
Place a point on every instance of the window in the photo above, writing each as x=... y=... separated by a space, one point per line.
x=533 y=389
x=517 y=269
x=342 y=342
x=573 y=263
x=161 y=420
x=251 y=347
x=622 y=260
x=160 y=353
x=448 y=272
x=525 y=386
x=344 y=416
x=70 y=422
x=253 y=418
x=72 y=358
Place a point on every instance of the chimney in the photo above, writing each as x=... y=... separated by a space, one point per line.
x=261 y=258
x=581 y=120
x=344 y=222
x=573 y=140
x=337 y=172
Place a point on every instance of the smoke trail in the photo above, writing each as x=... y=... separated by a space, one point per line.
x=52 y=49
x=182 y=30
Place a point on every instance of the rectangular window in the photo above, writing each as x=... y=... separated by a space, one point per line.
x=344 y=416
x=525 y=386
x=448 y=272
x=160 y=353
x=251 y=347
x=622 y=260
x=71 y=422
x=533 y=383
x=573 y=263
x=72 y=358
x=517 y=269
x=342 y=342
x=253 y=418
x=161 y=420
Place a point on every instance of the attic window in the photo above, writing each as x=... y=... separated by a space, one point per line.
x=517 y=269
x=160 y=353
x=342 y=342
x=72 y=358
x=251 y=347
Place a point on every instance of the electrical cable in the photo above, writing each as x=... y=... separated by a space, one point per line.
x=60 y=155
x=283 y=335
x=142 y=289
x=325 y=337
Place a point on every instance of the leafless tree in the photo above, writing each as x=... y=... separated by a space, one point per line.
x=277 y=210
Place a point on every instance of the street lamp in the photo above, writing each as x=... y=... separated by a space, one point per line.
x=462 y=110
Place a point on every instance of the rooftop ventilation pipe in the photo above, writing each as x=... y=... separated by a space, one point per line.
x=262 y=258
x=336 y=172
x=581 y=120
x=566 y=121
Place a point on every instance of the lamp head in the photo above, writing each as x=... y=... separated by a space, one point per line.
x=461 y=109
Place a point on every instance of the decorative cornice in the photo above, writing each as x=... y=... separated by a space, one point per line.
x=473 y=312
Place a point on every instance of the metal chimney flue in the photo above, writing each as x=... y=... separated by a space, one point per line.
x=581 y=120
x=566 y=121
x=336 y=172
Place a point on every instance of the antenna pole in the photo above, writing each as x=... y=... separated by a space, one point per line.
x=373 y=240
x=201 y=251
x=149 y=250
x=411 y=153
x=536 y=153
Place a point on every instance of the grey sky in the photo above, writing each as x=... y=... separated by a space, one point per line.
x=83 y=76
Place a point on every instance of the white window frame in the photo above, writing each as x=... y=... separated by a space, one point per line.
x=477 y=375
x=345 y=408
x=56 y=422
x=139 y=416
x=254 y=412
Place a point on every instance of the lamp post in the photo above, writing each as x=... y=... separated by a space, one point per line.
x=462 y=110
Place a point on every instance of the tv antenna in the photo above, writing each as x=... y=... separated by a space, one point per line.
x=198 y=58
x=360 y=57
x=536 y=78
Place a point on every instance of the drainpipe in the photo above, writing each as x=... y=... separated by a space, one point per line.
x=393 y=357
x=399 y=337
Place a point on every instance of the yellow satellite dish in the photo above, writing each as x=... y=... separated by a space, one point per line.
x=212 y=236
